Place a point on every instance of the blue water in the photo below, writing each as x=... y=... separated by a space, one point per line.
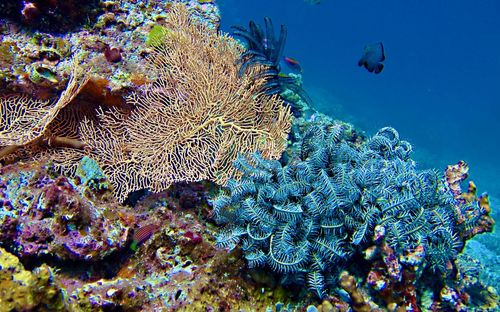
x=440 y=87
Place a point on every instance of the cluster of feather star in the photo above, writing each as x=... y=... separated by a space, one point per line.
x=263 y=48
x=309 y=217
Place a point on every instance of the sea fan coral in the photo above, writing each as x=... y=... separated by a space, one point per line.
x=315 y=213
x=29 y=123
x=191 y=123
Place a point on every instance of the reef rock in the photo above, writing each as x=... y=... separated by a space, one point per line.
x=44 y=214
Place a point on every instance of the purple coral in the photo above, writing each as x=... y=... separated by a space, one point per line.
x=50 y=216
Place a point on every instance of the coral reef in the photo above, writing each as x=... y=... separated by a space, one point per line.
x=35 y=60
x=77 y=227
x=472 y=211
x=111 y=111
x=333 y=201
x=349 y=284
x=22 y=290
x=31 y=123
x=264 y=49
x=174 y=264
x=44 y=214
x=189 y=124
x=193 y=120
x=51 y=15
x=36 y=64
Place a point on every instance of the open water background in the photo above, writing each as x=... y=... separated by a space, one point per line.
x=440 y=87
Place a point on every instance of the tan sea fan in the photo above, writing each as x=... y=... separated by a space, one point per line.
x=193 y=120
x=25 y=121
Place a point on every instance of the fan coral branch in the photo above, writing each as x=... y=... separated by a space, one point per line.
x=26 y=121
x=193 y=120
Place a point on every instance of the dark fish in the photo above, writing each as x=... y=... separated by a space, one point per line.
x=372 y=57
x=293 y=64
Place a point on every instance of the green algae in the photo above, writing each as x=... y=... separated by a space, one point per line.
x=156 y=36
x=90 y=174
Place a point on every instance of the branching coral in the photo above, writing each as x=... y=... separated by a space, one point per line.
x=191 y=123
x=471 y=210
x=322 y=208
x=27 y=122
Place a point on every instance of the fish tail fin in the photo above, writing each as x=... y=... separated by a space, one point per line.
x=134 y=245
x=378 y=68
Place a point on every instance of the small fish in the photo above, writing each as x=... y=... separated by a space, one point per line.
x=142 y=234
x=293 y=64
x=372 y=57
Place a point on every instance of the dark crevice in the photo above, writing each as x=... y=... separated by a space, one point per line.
x=52 y=16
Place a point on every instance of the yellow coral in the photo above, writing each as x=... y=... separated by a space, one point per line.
x=22 y=290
